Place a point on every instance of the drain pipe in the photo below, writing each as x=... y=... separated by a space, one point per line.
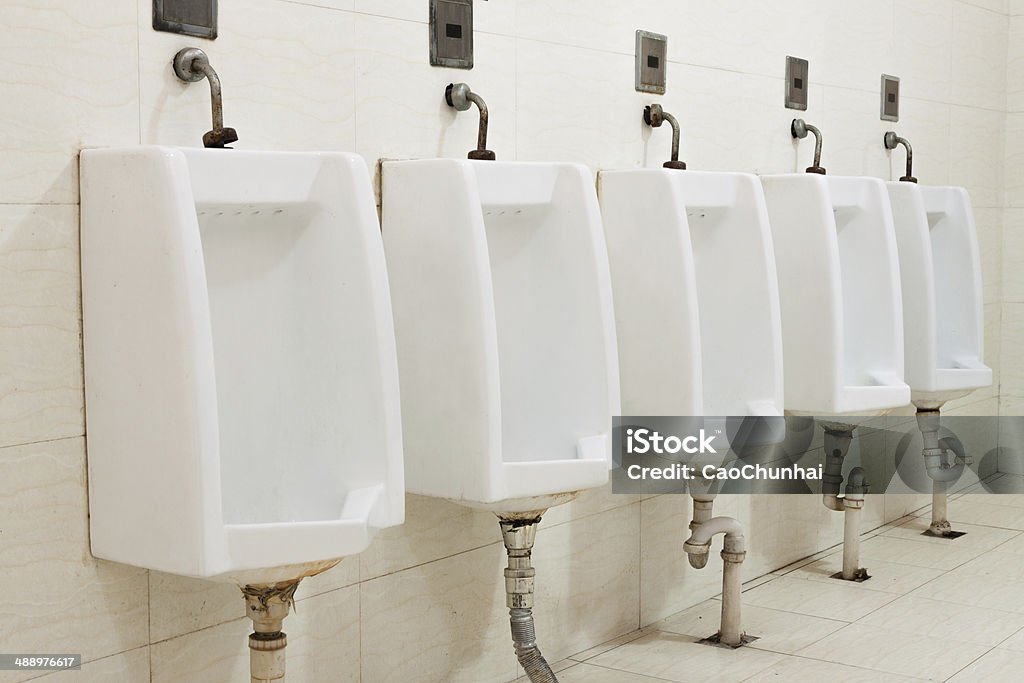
x=267 y=605
x=940 y=471
x=734 y=551
x=703 y=510
x=837 y=444
x=519 y=534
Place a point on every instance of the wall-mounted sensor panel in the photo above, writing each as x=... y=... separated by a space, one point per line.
x=796 y=83
x=651 y=61
x=190 y=17
x=890 y=98
x=451 y=33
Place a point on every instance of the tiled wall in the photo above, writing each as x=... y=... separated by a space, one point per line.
x=425 y=602
x=1012 y=389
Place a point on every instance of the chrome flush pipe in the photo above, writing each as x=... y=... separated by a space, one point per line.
x=519 y=533
x=838 y=438
x=191 y=65
x=891 y=141
x=654 y=116
x=799 y=129
x=460 y=97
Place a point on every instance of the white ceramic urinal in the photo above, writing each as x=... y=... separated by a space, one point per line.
x=241 y=378
x=696 y=300
x=839 y=290
x=506 y=337
x=943 y=310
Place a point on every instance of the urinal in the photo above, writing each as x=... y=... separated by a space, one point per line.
x=839 y=292
x=943 y=320
x=241 y=377
x=842 y=319
x=696 y=299
x=943 y=311
x=506 y=337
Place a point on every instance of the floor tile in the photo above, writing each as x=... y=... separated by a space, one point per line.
x=983 y=537
x=997 y=665
x=587 y=673
x=887 y=577
x=1005 y=564
x=946 y=620
x=978 y=510
x=674 y=657
x=776 y=631
x=800 y=670
x=976 y=590
x=838 y=600
x=1014 y=642
x=895 y=652
x=611 y=644
x=926 y=555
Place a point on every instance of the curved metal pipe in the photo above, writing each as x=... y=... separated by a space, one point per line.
x=460 y=97
x=654 y=116
x=191 y=65
x=891 y=141
x=799 y=129
x=519 y=536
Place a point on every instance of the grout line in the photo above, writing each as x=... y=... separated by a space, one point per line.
x=971 y=663
x=43 y=441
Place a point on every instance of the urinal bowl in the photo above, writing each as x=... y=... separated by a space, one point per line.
x=506 y=339
x=942 y=293
x=696 y=301
x=839 y=290
x=241 y=379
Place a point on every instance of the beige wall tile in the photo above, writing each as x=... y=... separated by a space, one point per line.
x=923 y=31
x=1012 y=351
x=858 y=45
x=1015 y=155
x=588 y=581
x=1015 y=64
x=57 y=596
x=40 y=354
x=972 y=164
x=447 y=619
x=998 y=6
x=979 y=57
x=989 y=228
x=128 y=667
x=433 y=529
x=71 y=72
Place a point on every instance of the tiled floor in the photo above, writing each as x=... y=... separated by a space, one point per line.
x=933 y=610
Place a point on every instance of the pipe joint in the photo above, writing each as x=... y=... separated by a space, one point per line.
x=735 y=558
